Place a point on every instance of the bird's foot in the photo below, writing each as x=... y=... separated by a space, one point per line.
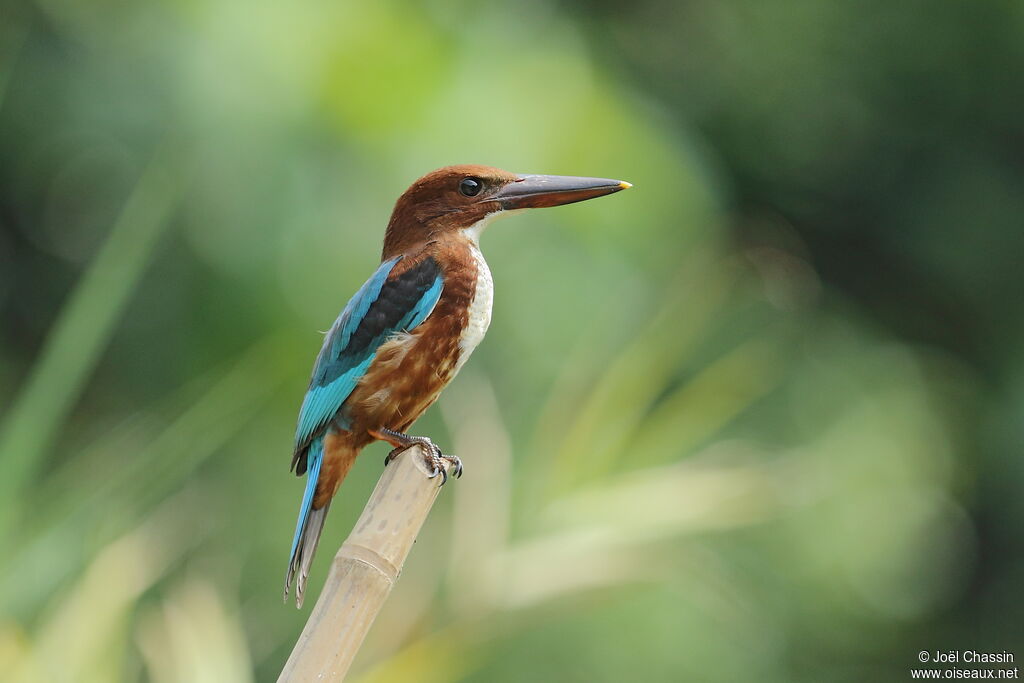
x=392 y=455
x=435 y=459
x=456 y=463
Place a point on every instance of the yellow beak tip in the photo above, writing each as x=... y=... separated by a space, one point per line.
x=624 y=185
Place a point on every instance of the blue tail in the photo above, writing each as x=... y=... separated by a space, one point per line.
x=308 y=527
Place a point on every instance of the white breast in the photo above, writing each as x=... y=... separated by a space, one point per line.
x=479 y=308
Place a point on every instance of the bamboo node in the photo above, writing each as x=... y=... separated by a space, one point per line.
x=371 y=558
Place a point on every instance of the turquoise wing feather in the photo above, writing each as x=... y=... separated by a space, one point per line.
x=384 y=306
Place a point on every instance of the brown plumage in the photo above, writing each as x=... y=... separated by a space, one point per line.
x=410 y=369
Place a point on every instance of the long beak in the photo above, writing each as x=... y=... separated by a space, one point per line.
x=536 y=191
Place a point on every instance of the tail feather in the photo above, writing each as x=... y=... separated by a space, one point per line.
x=308 y=526
x=310 y=540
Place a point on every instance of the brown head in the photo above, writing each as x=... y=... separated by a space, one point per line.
x=457 y=198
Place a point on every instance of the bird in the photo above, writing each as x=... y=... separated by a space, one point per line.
x=407 y=331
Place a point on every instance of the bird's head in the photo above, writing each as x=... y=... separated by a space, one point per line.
x=467 y=197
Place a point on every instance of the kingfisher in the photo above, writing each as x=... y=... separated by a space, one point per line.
x=408 y=330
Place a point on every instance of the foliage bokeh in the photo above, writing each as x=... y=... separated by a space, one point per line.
x=758 y=416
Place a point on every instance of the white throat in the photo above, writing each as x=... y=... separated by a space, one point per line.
x=474 y=231
x=483 y=297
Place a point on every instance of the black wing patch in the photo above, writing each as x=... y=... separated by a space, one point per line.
x=398 y=308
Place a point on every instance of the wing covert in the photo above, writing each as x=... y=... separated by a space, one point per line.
x=385 y=305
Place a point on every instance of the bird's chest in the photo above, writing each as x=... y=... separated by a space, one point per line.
x=410 y=369
x=478 y=316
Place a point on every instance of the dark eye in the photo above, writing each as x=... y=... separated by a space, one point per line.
x=470 y=186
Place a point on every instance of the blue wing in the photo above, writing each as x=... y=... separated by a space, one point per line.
x=384 y=306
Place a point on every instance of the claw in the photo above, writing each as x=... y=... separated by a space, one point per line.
x=456 y=464
x=436 y=460
x=392 y=455
x=434 y=457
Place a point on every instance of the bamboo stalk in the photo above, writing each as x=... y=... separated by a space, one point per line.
x=364 y=571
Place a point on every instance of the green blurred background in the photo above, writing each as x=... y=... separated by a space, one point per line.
x=758 y=418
